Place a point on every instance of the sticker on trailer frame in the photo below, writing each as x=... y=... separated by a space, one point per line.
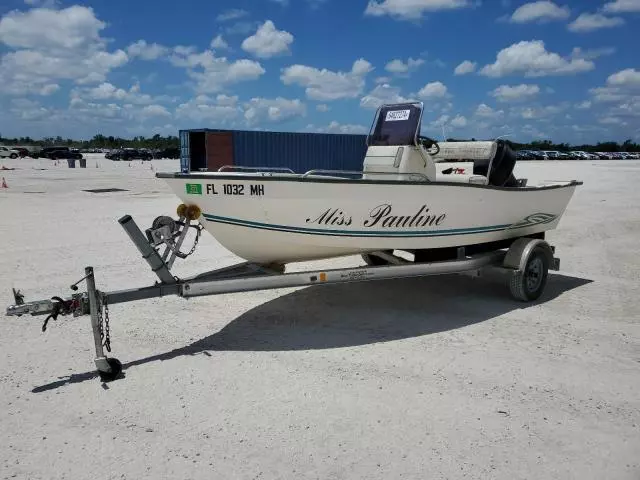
x=194 y=188
x=397 y=115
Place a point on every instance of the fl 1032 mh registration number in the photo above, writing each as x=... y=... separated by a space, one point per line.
x=234 y=189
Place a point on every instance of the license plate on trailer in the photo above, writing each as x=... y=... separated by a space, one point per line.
x=397 y=115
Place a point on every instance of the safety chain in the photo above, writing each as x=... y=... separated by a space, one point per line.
x=198 y=228
x=105 y=335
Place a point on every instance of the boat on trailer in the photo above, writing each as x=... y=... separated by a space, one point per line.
x=451 y=207
x=410 y=196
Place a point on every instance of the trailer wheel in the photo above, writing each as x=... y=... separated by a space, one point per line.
x=116 y=369
x=528 y=284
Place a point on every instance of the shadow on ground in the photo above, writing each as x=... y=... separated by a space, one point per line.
x=334 y=316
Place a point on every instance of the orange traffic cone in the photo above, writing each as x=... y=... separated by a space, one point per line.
x=4 y=183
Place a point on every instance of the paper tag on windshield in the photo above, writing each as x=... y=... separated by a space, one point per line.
x=397 y=115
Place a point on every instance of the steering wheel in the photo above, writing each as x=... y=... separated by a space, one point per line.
x=429 y=144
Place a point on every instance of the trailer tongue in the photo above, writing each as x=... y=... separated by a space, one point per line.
x=527 y=259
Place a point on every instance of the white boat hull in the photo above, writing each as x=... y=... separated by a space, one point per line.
x=283 y=219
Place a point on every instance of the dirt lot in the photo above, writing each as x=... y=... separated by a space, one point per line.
x=430 y=378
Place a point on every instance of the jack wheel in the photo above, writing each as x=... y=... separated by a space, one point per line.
x=116 y=369
x=529 y=284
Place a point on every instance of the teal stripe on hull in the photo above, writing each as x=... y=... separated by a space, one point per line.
x=353 y=233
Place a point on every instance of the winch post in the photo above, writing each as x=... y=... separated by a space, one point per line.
x=92 y=293
x=148 y=252
x=178 y=244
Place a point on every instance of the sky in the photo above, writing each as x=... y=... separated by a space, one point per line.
x=567 y=71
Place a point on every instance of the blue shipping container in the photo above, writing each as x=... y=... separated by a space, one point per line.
x=301 y=152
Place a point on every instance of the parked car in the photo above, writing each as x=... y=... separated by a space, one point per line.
x=22 y=152
x=9 y=153
x=127 y=154
x=58 y=152
x=171 y=152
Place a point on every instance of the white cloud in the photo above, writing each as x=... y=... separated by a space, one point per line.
x=108 y=92
x=411 y=9
x=336 y=127
x=212 y=73
x=621 y=96
x=589 y=22
x=397 y=66
x=382 y=94
x=533 y=131
x=465 y=67
x=42 y=3
x=433 y=90
x=629 y=77
x=507 y=93
x=485 y=111
x=146 y=51
x=459 y=121
x=533 y=60
x=232 y=14
x=326 y=85
x=223 y=110
x=49 y=89
x=612 y=121
x=541 y=11
x=274 y=110
x=218 y=43
x=622 y=87
x=538 y=112
x=592 y=54
x=52 y=45
x=622 y=6
x=440 y=121
x=268 y=41
x=322 y=107
x=155 y=111
x=67 y=29
x=584 y=105
x=226 y=100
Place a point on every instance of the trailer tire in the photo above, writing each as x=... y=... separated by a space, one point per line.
x=527 y=285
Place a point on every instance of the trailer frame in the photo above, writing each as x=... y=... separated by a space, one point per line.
x=527 y=259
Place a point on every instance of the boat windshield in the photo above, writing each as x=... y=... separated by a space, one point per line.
x=396 y=125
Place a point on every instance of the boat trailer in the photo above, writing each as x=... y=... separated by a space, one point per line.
x=527 y=259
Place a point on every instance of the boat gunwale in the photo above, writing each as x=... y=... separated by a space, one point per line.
x=321 y=179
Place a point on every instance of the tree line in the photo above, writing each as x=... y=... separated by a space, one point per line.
x=171 y=141
x=156 y=142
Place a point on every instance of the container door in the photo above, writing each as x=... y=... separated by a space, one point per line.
x=219 y=150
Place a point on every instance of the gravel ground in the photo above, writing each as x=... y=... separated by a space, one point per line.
x=429 y=378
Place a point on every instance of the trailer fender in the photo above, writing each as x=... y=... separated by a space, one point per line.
x=518 y=254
